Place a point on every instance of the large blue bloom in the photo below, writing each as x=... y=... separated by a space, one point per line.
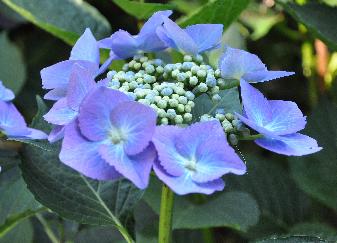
x=112 y=134
x=193 y=159
x=125 y=45
x=193 y=40
x=239 y=64
x=85 y=53
x=278 y=121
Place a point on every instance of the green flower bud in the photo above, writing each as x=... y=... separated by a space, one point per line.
x=205 y=117
x=180 y=108
x=175 y=96
x=157 y=98
x=171 y=113
x=131 y=63
x=195 y=69
x=179 y=91
x=193 y=81
x=143 y=59
x=188 y=117
x=159 y=69
x=188 y=58
x=189 y=95
x=198 y=58
x=166 y=98
x=229 y=116
x=173 y=103
x=221 y=83
x=233 y=139
x=182 y=100
x=149 y=69
x=216 y=98
x=161 y=113
x=144 y=101
x=155 y=107
x=215 y=90
x=179 y=119
x=191 y=103
x=188 y=108
x=175 y=73
x=221 y=117
x=164 y=121
x=202 y=87
x=162 y=104
x=217 y=73
x=201 y=73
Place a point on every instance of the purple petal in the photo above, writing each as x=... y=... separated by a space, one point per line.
x=86 y=48
x=56 y=94
x=162 y=35
x=82 y=155
x=164 y=141
x=135 y=168
x=262 y=76
x=150 y=43
x=56 y=134
x=256 y=106
x=295 y=144
x=206 y=36
x=60 y=113
x=180 y=37
x=107 y=63
x=123 y=44
x=137 y=122
x=6 y=94
x=11 y=121
x=36 y=134
x=287 y=118
x=57 y=75
x=183 y=184
x=94 y=118
x=235 y=63
x=154 y=21
x=80 y=83
x=105 y=43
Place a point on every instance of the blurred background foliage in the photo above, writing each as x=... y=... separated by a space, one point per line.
x=279 y=200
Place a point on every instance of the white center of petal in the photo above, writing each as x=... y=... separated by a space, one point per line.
x=191 y=165
x=117 y=136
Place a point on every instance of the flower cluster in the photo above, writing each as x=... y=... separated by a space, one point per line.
x=140 y=117
x=12 y=124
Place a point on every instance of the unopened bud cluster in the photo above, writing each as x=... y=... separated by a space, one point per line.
x=232 y=126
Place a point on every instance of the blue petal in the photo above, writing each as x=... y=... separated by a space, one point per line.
x=6 y=94
x=80 y=83
x=56 y=134
x=82 y=155
x=180 y=37
x=154 y=21
x=262 y=76
x=137 y=122
x=295 y=144
x=184 y=184
x=94 y=118
x=123 y=44
x=287 y=118
x=86 y=48
x=235 y=63
x=11 y=121
x=56 y=94
x=60 y=113
x=206 y=36
x=256 y=106
x=136 y=168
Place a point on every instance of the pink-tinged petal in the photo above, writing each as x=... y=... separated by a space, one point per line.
x=82 y=155
x=295 y=144
x=6 y=94
x=235 y=63
x=86 y=48
x=137 y=123
x=164 y=141
x=136 y=168
x=60 y=113
x=94 y=118
x=183 y=184
x=57 y=75
x=180 y=37
x=287 y=118
x=56 y=134
x=207 y=41
x=262 y=76
x=80 y=83
x=56 y=94
x=256 y=106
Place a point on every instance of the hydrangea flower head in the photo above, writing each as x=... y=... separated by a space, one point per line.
x=56 y=77
x=111 y=131
x=239 y=64
x=193 y=40
x=125 y=45
x=193 y=159
x=278 y=120
x=6 y=94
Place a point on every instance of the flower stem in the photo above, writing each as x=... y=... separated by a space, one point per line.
x=251 y=137
x=165 y=218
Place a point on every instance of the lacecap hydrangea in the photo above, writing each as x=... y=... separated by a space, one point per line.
x=124 y=123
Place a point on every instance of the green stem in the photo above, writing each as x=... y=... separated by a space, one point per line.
x=251 y=137
x=165 y=218
x=47 y=229
x=208 y=236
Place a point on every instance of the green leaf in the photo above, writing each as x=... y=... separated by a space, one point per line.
x=22 y=232
x=230 y=102
x=237 y=210
x=17 y=203
x=141 y=10
x=66 y=19
x=216 y=12
x=101 y=234
x=318 y=18
x=293 y=239
x=72 y=195
x=320 y=230
x=280 y=202
x=316 y=173
x=12 y=67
